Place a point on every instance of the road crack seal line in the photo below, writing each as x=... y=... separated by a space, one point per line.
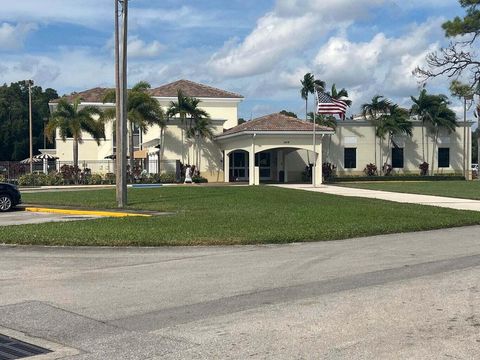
x=237 y=303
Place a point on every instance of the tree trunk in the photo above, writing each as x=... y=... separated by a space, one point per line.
x=375 y=144
x=306 y=119
x=75 y=159
x=132 y=160
x=389 y=142
x=381 y=156
x=434 y=145
x=423 y=142
x=328 y=148
x=159 y=155
x=75 y=152
x=478 y=150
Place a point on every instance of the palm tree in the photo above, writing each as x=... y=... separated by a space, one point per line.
x=309 y=84
x=422 y=108
x=143 y=111
x=373 y=111
x=71 y=120
x=200 y=131
x=180 y=108
x=442 y=118
x=396 y=122
x=340 y=95
x=199 y=127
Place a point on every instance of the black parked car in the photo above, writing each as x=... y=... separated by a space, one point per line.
x=9 y=197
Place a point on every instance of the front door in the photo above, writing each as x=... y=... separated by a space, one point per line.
x=263 y=160
x=239 y=166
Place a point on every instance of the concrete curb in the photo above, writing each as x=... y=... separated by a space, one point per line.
x=84 y=212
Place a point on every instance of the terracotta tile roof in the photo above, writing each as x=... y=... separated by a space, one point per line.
x=194 y=89
x=94 y=95
x=275 y=122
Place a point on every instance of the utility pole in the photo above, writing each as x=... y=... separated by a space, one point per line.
x=30 y=126
x=121 y=101
x=466 y=152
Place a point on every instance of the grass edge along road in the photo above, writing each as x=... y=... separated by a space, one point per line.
x=457 y=189
x=229 y=215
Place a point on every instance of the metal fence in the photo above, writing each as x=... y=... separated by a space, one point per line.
x=12 y=170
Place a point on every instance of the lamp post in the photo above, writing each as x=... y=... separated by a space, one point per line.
x=29 y=83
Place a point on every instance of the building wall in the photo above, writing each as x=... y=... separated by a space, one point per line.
x=224 y=115
x=361 y=135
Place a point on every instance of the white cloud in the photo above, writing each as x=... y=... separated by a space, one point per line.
x=382 y=65
x=260 y=50
x=280 y=33
x=100 y=13
x=12 y=37
x=138 y=48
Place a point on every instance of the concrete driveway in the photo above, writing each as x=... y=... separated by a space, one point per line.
x=403 y=296
x=440 y=201
x=19 y=217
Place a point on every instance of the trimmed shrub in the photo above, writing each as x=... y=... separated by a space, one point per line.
x=199 y=179
x=34 y=179
x=55 y=178
x=167 y=178
x=328 y=170
x=95 y=179
x=70 y=173
x=370 y=170
x=109 y=178
x=423 y=168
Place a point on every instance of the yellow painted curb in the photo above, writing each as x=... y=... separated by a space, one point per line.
x=84 y=212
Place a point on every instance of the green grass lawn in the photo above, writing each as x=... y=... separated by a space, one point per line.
x=459 y=189
x=230 y=215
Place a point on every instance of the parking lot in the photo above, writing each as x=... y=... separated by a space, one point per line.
x=20 y=217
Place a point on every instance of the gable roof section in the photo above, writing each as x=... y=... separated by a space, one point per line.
x=194 y=89
x=94 y=95
x=276 y=123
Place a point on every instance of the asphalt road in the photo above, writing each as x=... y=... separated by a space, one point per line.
x=20 y=217
x=409 y=296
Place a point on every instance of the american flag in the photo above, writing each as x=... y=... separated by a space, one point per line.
x=329 y=106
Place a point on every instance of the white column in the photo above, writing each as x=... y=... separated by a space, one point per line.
x=251 y=163
x=285 y=165
x=318 y=165
x=226 y=167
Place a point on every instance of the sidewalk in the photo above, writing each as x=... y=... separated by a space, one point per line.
x=446 y=202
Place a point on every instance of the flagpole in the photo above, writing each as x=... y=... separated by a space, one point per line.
x=314 y=167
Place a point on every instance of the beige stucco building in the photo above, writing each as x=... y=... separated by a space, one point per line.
x=355 y=145
x=275 y=147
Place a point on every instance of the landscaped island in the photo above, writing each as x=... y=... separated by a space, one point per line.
x=229 y=215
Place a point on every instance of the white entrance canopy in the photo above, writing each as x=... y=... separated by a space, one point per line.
x=274 y=131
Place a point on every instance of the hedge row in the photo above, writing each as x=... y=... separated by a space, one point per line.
x=395 y=178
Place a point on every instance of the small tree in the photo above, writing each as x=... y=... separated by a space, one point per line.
x=199 y=127
x=143 y=111
x=396 y=122
x=459 y=58
x=373 y=112
x=72 y=120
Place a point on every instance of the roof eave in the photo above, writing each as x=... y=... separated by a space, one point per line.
x=278 y=132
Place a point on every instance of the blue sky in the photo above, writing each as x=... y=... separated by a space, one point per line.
x=259 y=49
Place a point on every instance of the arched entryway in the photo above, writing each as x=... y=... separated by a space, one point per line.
x=284 y=164
x=270 y=141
